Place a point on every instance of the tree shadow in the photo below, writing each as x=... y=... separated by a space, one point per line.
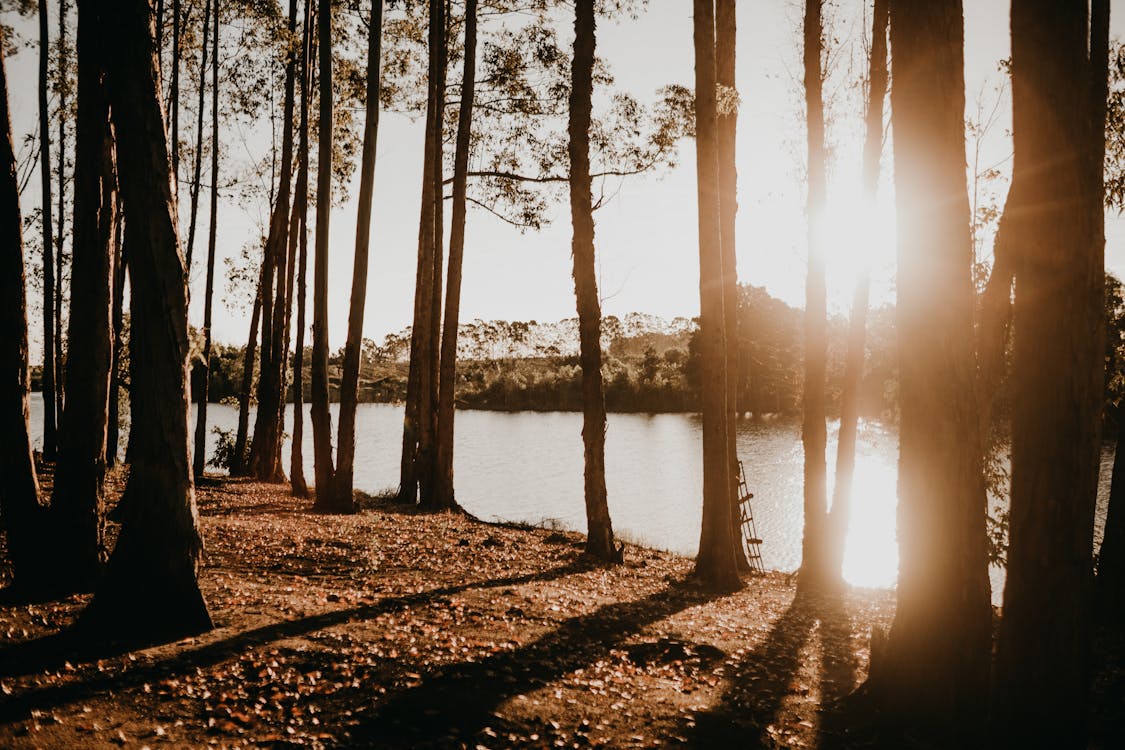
x=77 y=648
x=456 y=702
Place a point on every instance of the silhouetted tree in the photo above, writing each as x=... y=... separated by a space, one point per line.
x=197 y=169
x=301 y=208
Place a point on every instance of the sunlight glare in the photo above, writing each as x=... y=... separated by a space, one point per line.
x=871 y=554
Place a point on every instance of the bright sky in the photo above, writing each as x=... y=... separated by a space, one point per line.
x=646 y=237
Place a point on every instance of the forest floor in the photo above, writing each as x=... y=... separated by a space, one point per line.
x=393 y=628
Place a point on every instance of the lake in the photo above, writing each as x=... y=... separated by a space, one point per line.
x=527 y=466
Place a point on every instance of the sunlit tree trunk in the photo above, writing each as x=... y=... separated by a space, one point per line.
x=21 y=514
x=715 y=564
x=200 y=457
x=321 y=419
x=932 y=671
x=150 y=589
x=342 y=500
x=837 y=523
x=446 y=497
x=1058 y=98
x=49 y=387
x=77 y=515
x=197 y=169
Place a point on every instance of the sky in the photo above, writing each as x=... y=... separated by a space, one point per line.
x=646 y=237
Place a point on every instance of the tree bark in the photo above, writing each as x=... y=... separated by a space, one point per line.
x=265 y=450
x=837 y=522
x=1058 y=97
x=112 y=430
x=199 y=458
x=20 y=510
x=715 y=565
x=150 y=587
x=321 y=419
x=813 y=431
x=77 y=513
x=49 y=387
x=933 y=671
x=447 y=388
x=197 y=169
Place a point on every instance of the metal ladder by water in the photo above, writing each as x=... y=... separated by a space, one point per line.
x=751 y=542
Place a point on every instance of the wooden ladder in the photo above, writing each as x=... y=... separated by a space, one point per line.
x=751 y=542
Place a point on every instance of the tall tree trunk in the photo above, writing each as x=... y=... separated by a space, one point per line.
x=715 y=565
x=727 y=120
x=301 y=208
x=321 y=419
x=200 y=456
x=77 y=515
x=342 y=496
x=447 y=387
x=238 y=460
x=836 y=529
x=60 y=235
x=21 y=514
x=150 y=587
x=112 y=428
x=1058 y=83
x=49 y=386
x=417 y=414
x=599 y=535
x=933 y=669
x=813 y=432
x=265 y=451
x=197 y=169
x=427 y=406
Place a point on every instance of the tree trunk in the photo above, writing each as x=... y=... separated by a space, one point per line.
x=21 y=514
x=238 y=460
x=112 y=429
x=321 y=419
x=427 y=406
x=715 y=564
x=1058 y=98
x=49 y=388
x=199 y=458
x=813 y=432
x=265 y=451
x=447 y=388
x=933 y=671
x=727 y=122
x=197 y=169
x=300 y=207
x=77 y=515
x=150 y=587
x=838 y=518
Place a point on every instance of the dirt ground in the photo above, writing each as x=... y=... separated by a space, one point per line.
x=391 y=628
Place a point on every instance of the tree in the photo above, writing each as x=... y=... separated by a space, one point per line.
x=813 y=431
x=20 y=510
x=1059 y=73
x=599 y=535
x=50 y=389
x=836 y=527
x=448 y=355
x=77 y=515
x=932 y=670
x=321 y=419
x=197 y=169
x=63 y=81
x=200 y=455
x=715 y=565
x=150 y=588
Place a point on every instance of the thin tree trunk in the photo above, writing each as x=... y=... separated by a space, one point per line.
x=813 y=432
x=321 y=419
x=715 y=564
x=21 y=513
x=197 y=169
x=77 y=513
x=112 y=430
x=1058 y=97
x=238 y=460
x=932 y=670
x=837 y=525
x=150 y=588
x=448 y=377
x=342 y=496
x=49 y=386
x=300 y=207
x=60 y=235
x=265 y=450
x=200 y=457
